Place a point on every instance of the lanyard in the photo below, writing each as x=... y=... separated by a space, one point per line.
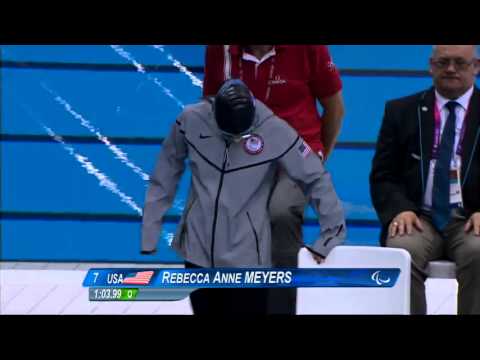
x=438 y=125
x=270 y=76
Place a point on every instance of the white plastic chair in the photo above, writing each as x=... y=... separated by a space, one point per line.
x=395 y=300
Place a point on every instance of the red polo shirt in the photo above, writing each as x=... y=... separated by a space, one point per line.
x=288 y=80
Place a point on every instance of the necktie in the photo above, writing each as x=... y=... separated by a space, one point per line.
x=441 y=177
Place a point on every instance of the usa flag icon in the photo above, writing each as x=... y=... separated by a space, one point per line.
x=139 y=278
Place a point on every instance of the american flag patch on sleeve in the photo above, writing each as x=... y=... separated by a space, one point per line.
x=304 y=149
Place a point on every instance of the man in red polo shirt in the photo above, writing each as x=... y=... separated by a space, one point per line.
x=289 y=79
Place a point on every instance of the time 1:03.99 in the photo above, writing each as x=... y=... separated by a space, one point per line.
x=114 y=293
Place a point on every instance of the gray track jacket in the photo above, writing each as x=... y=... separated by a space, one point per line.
x=225 y=222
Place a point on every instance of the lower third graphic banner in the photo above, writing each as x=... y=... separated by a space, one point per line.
x=177 y=284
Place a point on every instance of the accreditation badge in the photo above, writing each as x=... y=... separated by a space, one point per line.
x=456 y=199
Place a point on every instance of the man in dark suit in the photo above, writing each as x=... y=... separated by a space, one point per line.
x=425 y=179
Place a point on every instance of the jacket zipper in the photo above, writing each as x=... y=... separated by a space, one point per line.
x=256 y=237
x=217 y=200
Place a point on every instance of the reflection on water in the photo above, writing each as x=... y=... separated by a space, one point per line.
x=92 y=170
x=141 y=69
x=182 y=68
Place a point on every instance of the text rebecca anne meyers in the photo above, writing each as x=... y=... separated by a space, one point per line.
x=225 y=277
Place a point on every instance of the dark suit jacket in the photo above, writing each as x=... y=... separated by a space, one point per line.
x=401 y=163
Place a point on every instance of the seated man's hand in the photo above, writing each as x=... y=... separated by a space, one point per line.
x=473 y=224
x=403 y=224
